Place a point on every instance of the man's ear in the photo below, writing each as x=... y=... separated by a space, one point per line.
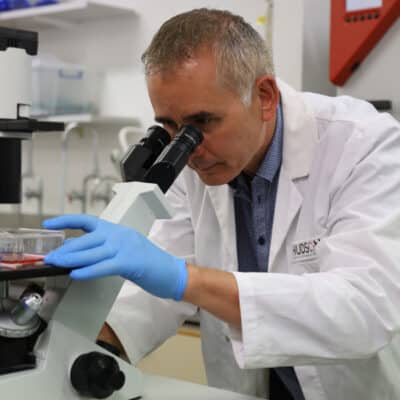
x=268 y=95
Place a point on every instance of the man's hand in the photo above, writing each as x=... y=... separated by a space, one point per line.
x=111 y=249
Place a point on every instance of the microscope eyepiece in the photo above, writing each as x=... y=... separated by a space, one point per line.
x=174 y=157
x=156 y=139
x=141 y=156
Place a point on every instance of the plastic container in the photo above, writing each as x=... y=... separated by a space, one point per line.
x=15 y=4
x=4 y=5
x=61 y=88
x=22 y=245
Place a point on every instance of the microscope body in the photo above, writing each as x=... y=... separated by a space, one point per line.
x=79 y=309
x=57 y=357
x=48 y=334
x=39 y=346
x=76 y=310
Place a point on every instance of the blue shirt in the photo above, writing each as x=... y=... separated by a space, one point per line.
x=254 y=201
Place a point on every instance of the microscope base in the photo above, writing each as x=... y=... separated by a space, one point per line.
x=57 y=350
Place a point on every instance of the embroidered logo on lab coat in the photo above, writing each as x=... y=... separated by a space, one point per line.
x=305 y=250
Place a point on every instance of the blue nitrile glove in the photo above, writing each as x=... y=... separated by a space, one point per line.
x=111 y=249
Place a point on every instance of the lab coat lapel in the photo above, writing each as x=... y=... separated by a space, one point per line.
x=299 y=140
x=288 y=203
x=222 y=201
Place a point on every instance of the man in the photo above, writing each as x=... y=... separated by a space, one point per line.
x=286 y=233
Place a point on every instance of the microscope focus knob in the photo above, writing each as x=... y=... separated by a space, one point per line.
x=96 y=375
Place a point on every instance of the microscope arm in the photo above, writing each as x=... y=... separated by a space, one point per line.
x=135 y=205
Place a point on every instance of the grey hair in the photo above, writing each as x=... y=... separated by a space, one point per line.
x=240 y=52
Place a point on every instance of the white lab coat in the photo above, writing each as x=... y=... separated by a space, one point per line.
x=330 y=304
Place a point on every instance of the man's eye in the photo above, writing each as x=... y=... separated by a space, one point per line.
x=205 y=122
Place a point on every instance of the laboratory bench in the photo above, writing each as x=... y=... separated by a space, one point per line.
x=160 y=388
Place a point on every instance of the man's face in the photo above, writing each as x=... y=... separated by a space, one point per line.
x=236 y=136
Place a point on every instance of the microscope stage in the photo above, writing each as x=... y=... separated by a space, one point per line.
x=27 y=271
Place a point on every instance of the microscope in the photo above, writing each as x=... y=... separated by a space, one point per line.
x=48 y=323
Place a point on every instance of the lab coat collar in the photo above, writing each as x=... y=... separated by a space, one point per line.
x=299 y=141
x=300 y=132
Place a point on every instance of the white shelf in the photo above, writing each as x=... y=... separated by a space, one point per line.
x=92 y=119
x=66 y=14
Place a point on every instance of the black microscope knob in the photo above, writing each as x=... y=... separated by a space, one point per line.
x=96 y=375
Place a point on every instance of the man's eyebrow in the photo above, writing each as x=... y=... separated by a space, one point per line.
x=165 y=120
x=198 y=116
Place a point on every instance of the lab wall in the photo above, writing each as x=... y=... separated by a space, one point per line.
x=377 y=77
x=301 y=44
x=114 y=46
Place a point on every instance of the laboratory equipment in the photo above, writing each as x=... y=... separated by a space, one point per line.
x=125 y=138
x=139 y=157
x=152 y=161
x=16 y=50
x=356 y=27
x=63 y=88
x=73 y=312
x=364 y=51
x=23 y=246
x=48 y=323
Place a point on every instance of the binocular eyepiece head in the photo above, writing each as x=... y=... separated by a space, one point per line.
x=159 y=160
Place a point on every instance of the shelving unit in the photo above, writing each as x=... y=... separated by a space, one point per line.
x=66 y=14
x=92 y=119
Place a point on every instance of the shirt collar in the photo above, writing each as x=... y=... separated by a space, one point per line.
x=273 y=158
